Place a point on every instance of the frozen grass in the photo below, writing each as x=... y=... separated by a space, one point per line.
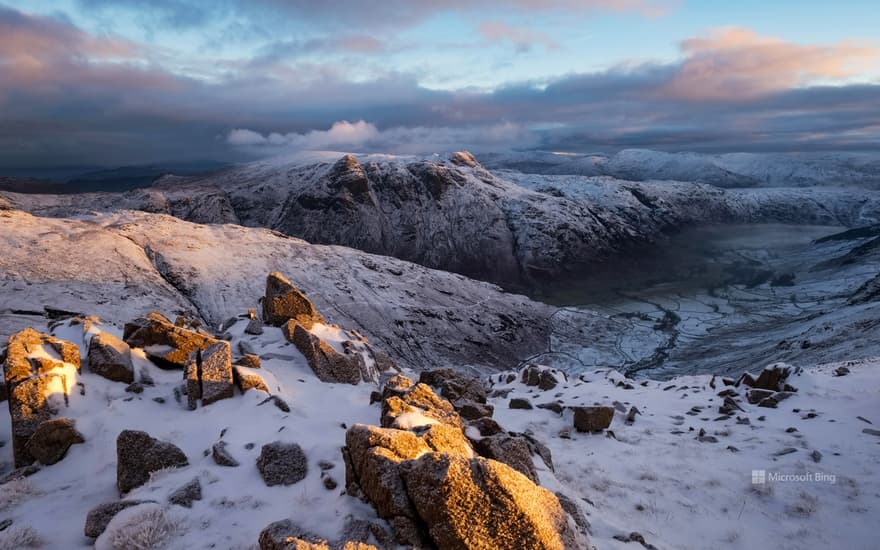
x=140 y=528
x=16 y=491
x=15 y=538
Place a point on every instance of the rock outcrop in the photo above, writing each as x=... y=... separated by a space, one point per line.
x=39 y=372
x=284 y=302
x=421 y=474
x=167 y=345
x=110 y=357
x=328 y=364
x=138 y=455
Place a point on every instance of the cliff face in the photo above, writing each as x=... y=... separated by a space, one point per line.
x=506 y=227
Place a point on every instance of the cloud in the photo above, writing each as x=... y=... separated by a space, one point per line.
x=522 y=39
x=365 y=137
x=387 y=14
x=72 y=97
x=738 y=64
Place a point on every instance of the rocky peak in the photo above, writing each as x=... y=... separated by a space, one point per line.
x=465 y=158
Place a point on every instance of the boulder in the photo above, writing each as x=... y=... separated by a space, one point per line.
x=406 y=404
x=284 y=302
x=99 y=517
x=138 y=455
x=52 y=439
x=592 y=419
x=250 y=361
x=481 y=503
x=455 y=385
x=543 y=377
x=216 y=373
x=166 y=344
x=37 y=384
x=328 y=364
x=187 y=494
x=245 y=379
x=282 y=463
x=110 y=357
x=470 y=410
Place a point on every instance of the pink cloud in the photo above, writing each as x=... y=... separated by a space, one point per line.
x=522 y=39
x=731 y=64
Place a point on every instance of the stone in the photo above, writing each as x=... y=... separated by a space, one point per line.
x=99 y=517
x=254 y=327
x=328 y=364
x=415 y=401
x=250 y=361
x=245 y=380
x=756 y=396
x=542 y=377
x=216 y=373
x=52 y=439
x=165 y=344
x=555 y=406
x=193 y=382
x=282 y=463
x=110 y=357
x=592 y=419
x=187 y=494
x=284 y=302
x=487 y=426
x=520 y=403
x=37 y=386
x=573 y=510
x=286 y=535
x=455 y=385
x=773 y=401
x=221 y=455
x=513 y=451
x=771 y=378
x=138 y=455
x=281 y=404
x=481 y=503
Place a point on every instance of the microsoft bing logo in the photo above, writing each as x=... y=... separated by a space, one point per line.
x=759 y=477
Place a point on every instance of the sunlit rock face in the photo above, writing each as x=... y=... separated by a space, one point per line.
x=40 y=372
x=421 y=473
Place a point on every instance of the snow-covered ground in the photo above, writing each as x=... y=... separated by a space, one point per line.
x=653 y=477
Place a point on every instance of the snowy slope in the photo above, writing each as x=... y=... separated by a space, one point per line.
x=125 y=264
x=723 y=170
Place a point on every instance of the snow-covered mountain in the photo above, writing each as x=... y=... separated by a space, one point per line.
x=453 y=214
x=722 y=170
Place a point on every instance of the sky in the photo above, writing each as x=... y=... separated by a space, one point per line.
x=118 y=82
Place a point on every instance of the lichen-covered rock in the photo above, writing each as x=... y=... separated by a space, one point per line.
x=481 y=503
x=216 y=373
x=138 y=455
x=592 y=419
x=408 y=404
x=110 y=357
x=187 y=494
x=52 y=439
x=99 y=517
x=284 y=302
x=328 y=364
x=39 y=372
x=166 y=344
x=282 y=463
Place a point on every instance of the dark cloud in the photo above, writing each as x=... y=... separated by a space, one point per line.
x=70 y=97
